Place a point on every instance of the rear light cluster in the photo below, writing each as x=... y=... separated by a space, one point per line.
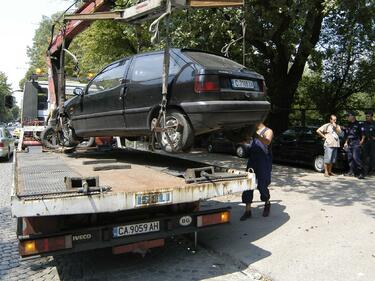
x=206 y=83
x=1 y=144
x=34 y=247
x=212 y=219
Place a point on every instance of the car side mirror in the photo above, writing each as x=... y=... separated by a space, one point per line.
x=78 y=91
x=9 y=101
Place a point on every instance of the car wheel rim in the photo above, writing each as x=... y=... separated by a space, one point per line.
x=171 y=136
x=239 y=151
x=319 y=163
x=209 y=148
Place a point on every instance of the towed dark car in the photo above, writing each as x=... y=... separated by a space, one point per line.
x=303 y=145
x=206 y=93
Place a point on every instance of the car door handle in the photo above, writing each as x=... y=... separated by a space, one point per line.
x=123 y=93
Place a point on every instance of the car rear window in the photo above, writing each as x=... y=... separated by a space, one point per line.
x=212 y=61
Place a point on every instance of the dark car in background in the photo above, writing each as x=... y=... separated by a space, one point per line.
x=218 y=142
x=207 y=93
x=303 y=145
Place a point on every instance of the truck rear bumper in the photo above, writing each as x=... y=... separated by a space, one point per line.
x=104 y=236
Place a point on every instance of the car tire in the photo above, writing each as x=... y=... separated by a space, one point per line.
x=240 y=151
x=49 y=138
x=181 y=133
x=319 y=163
x=210 y=148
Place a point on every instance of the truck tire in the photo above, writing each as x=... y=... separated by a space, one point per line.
x=180 y=133
x=49 y=138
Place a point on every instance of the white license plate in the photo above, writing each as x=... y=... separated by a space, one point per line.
x=134 y=229
x=242 y=84
x=153 y=198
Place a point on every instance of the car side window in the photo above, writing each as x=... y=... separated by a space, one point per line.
x=150 y=67
x=309 y=136
x=109 y=78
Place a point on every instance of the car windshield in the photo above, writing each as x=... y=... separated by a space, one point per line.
x=212 y=61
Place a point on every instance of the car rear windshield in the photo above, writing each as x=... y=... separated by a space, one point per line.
x=212 y=61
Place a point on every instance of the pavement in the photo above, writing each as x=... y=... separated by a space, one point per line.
x=319 y=229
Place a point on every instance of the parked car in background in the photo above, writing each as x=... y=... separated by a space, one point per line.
x=6 y=143
x=218 y=142
x=303 y=145
x=207 y=93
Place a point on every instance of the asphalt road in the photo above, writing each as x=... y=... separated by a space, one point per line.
x=319 y=229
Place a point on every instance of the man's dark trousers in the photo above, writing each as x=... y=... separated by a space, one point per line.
x=369 y=156
x=354 y=158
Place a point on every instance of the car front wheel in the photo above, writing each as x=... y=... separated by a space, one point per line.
x=178 y=134
x=319 y=163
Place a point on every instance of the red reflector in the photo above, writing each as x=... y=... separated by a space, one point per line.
x=144 y=245
x=33 y=247
x=206 y=83
x=211 y=219
x=1 y=144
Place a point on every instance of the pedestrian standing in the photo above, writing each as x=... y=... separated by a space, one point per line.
x=369 y=145
x=260 y=160
x=330 y=133
x=354 y=140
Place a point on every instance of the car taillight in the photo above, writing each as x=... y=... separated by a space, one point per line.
x=206 y=83
x=33 y=247
x=1 y=144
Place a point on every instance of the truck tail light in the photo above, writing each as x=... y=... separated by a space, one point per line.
x=1 y=144
x=38 y=246
x=206 y=83
x=212 y=219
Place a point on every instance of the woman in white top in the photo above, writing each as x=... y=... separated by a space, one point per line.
x=330 y=133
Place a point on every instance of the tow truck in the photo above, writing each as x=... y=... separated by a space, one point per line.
x=126 y=199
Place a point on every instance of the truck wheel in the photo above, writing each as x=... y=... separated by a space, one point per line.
x=179 y=135
x=319 y=163
x=49 y=138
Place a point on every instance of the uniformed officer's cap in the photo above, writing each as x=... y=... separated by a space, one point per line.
x=350 y=113
x=369 y=112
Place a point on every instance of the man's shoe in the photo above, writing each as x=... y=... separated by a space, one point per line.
x=266 y=210
x=361 y=176
x=245 y=216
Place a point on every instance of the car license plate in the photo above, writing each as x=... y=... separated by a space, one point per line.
x=242 y=84
x=145 y=199
x=134 y=229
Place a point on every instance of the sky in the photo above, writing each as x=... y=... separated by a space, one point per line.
x=18 y=21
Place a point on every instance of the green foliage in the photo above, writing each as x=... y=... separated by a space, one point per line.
x=5 y=113
x=344 y=62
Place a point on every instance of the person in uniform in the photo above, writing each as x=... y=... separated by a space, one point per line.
x=355 y=138
x=369 y=145
x=260 y=160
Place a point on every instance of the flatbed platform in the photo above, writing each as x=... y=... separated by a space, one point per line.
x=39 y=187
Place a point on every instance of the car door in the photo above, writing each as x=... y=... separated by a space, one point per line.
x=101 y=108
x=144 y=88
x=284 y=148
x=309 y=146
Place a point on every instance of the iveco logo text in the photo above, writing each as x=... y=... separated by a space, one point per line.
x=87 y=236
